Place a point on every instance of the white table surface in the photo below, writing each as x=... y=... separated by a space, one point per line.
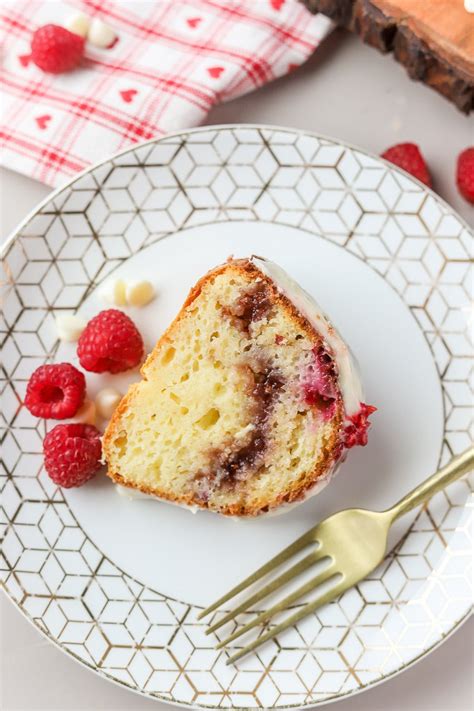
x=346 y=91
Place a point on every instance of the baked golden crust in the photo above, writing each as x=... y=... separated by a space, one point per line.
x=328 y=455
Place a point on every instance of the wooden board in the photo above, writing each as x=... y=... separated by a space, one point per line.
x=433 y=39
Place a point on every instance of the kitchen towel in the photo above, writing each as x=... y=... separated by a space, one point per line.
x=172 y=62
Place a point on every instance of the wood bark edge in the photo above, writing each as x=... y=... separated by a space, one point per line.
x=421 y=61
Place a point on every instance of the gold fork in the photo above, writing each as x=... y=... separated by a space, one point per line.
x=352 y=543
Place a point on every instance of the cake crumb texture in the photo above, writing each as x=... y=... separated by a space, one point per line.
x=222 y=417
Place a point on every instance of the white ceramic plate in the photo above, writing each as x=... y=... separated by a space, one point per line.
x=118 y=583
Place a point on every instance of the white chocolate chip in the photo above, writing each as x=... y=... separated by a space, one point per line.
x=78 y=23
x=113 y=291
x=120 y=293
x=139 y=293
x=469 y=5
x=106 y=402
x=86 y=413
x=69 y=327
x=100 y=34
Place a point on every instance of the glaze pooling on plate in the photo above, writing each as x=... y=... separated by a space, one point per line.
x=60 y=578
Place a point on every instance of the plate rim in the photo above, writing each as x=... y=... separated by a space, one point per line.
x=214 y=127
x=183 y=704
x=15 y=233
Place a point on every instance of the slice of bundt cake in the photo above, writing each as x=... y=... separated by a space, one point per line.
x=248 y=401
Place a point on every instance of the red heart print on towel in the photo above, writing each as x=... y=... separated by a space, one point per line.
x=24 y=59
x=292 y=67
x=43 y=121
x=215 y=72
x=128 y=94
x=277 y=4
x=193 y=21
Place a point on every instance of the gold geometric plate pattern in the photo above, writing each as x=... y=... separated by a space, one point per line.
x=61 y=580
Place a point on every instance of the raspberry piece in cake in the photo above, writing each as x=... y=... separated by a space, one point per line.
x=320 y=385
x=356 y=432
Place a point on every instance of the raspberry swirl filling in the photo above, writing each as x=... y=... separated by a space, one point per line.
x=236 y=462
x=238 y=459
x=321 y=392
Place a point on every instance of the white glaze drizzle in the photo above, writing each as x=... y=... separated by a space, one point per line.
x=136 y=495
x=349 y=382
x=132 y=494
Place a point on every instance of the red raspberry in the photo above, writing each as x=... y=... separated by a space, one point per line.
x=110 y=343
x=356 y=433
x=72 y=454
x=465 y=174
x=408 y=157
x=320 y=383
x=55 y=391
x=55 y=50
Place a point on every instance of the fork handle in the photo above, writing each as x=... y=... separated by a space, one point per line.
x=453 y=470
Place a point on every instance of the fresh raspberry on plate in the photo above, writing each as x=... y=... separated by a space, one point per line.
x=110 y=343
x=408 y=156
x=55 y=50
x=465 y=174
x=72 y=454
x=55 y=391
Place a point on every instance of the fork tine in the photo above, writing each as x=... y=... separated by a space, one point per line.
x=319 y=579
x=305 y=540
x=272 y=586
x=290 y=621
